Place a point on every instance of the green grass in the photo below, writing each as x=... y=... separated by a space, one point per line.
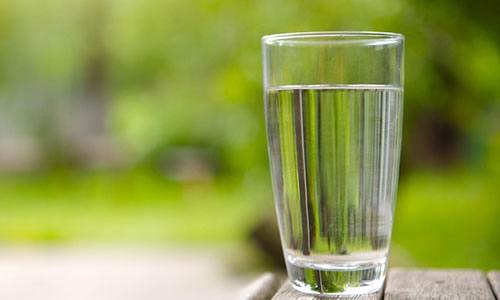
x=446 y=219
x=137 y=206
x=450 y=220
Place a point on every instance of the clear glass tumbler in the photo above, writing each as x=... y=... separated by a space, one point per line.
x=334 y=108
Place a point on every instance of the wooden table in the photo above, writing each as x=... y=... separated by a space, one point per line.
x=401 y=284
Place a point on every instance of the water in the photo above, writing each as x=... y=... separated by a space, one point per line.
x=334 y=154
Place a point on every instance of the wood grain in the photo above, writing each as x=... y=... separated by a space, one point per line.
x=262 y=288
x=406 y=284
x=286 y=292
x=494 y=278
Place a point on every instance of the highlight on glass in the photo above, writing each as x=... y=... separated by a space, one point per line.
x=334 y=110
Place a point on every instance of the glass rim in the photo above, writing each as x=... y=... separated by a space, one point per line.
x=362 y=38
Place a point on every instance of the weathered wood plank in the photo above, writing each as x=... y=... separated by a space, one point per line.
x=403 y=284
x=262 y=288
x=286 y=292
x=494 y=278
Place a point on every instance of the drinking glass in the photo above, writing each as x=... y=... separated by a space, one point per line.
x=334 y=109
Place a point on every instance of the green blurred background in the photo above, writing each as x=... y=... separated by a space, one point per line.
x=141 y=122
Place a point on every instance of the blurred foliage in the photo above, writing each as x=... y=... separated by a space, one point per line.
x=188 y=73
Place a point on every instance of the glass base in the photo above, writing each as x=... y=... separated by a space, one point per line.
x=338 y=281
